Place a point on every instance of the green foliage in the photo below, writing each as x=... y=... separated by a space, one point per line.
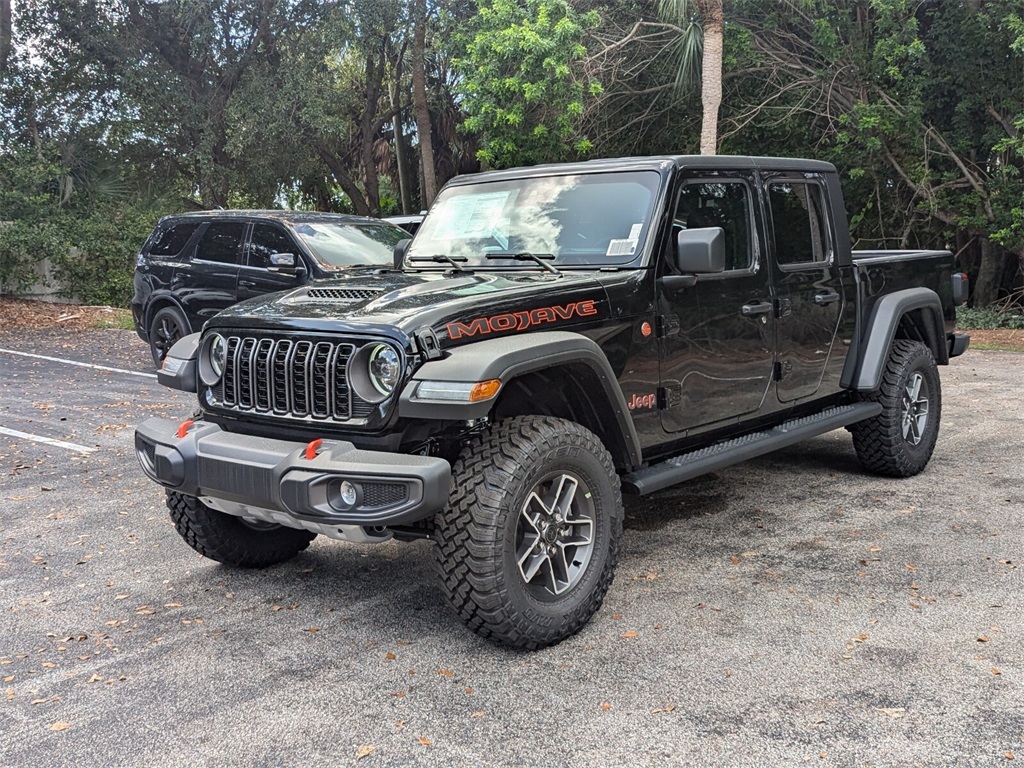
x=524 y=85
x=988 y=318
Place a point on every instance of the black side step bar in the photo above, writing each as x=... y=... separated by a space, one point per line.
x=691 y=465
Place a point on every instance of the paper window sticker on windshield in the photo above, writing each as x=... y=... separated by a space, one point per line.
x=477 y=215
x=621 y=248
x=635 y=230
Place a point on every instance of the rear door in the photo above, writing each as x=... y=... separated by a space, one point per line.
x=717 y=336
x=808 y=284
x=256 y=277
x=209 y=283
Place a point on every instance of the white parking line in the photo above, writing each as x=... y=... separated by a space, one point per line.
x=47 y=440
x=83 y=365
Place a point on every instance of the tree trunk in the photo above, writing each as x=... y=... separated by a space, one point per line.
x=341 y=176
x=371 y=181
x=5 y=35
x=990 y=275
x=400 y=149
x=420 y=106
x=713 y=22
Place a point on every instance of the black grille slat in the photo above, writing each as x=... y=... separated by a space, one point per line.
x=290 y=378
x=280 y=378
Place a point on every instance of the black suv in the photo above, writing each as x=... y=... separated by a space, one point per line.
x=196 y=264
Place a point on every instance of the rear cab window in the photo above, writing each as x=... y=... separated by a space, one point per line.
x=799 y=226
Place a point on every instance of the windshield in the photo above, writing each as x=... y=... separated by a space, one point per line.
x=345 y=245
x=594 y=219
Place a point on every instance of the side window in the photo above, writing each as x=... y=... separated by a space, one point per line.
x=171 y=240
x=221 y=242
x=798 y=221
x=724 y=204
x=268 y=239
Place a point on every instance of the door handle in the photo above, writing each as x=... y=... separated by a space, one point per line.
x=828 y=297
x=756 y=308
x=247 y=284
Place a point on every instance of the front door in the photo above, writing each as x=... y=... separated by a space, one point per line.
x=256 y=277
x=717 y=337
x=808 y=286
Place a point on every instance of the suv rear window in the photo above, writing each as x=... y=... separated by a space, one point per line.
x=170 y=240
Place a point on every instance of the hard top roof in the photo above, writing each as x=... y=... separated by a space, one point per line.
x=661 y=163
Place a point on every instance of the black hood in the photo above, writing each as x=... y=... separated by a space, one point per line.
x=457 y=307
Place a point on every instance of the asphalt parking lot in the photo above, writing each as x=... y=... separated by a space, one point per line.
x=789 y=611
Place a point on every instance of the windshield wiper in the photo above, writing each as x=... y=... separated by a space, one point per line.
x=443 y=258
x=536 y=258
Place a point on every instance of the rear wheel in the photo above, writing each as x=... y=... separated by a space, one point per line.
x=167 y=326
x=526 y=547
x=233 y=540
x=900 y=440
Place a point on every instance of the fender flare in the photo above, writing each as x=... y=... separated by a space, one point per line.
x=179 y=368
x=158 y=301
x=881 y=330
x=512 y=356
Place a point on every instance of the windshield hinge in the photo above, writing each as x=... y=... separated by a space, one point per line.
x=428 y=344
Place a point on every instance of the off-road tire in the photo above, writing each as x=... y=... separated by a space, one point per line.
x=476 y=534
x=881 y=444
x=167 y=326
x=228 y=539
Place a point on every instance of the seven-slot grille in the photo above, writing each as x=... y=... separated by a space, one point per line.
x=295 y=378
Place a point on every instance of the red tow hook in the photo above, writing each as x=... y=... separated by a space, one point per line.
x=183 y=427
x=312 y=448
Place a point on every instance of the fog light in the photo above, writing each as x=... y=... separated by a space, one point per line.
x=348 y=493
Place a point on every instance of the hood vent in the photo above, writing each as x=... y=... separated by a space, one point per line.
x=343 y=294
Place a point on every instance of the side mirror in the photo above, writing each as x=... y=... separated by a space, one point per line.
x=283 y=262
x=700 y=251
x=400 y=248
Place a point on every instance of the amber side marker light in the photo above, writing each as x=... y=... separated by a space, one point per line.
x=484 y=390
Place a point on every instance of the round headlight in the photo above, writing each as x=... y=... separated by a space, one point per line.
x=384 y=366
x=211 y=362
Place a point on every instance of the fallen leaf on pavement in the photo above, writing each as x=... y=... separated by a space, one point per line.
x=424 y=741
x=60 y=725
x=364 y=750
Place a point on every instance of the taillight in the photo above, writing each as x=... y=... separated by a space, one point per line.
x=961 y=288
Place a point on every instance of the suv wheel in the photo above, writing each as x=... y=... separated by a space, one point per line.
x=899 y=441
x=167 y=326
x=526 y=547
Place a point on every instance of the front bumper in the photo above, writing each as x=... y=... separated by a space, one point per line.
x=390 y=488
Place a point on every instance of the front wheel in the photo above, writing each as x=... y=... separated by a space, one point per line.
x=899 y=441
x=526 y=547
x=233 y=540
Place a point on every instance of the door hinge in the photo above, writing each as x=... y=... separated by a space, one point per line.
x=669 y=396
x=783 y=370
x=783 y=307
x=666 y=325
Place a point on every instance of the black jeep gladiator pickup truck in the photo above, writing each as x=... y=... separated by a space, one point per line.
x=553 y=337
